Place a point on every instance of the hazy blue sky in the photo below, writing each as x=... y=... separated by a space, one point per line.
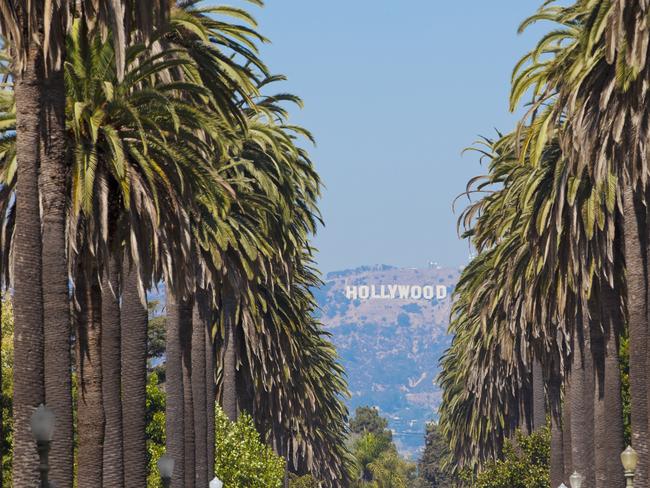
x=394 y=90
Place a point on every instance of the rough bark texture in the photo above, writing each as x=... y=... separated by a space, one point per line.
x=229 y=400
x=637 y=310
x=134 y=381
x=199 y=387
x=211 y=398
x=56 y=306
x=113 y=472
x=566 y=432
x=557 y=452
x=29 y=388
x=539 y=397
x=90 y=410
x=607 y=394
x=174 y=409
x=582 y=419
x=188 y=403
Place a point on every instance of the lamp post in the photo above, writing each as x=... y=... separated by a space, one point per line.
x=576 y=480
x=216 y=483
x=629 y=458
x=42 y=426
x=166 y=469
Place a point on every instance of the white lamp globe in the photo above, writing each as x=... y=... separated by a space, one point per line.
x=42 y=424
x=629 y=458
x=166 y=466
x=562 y=486
x=576 y=480
x=216 y=483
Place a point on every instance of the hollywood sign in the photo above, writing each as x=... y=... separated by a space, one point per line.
x=395 y=292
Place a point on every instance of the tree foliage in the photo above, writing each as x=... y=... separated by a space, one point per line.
x=243 y=460
x=525 y=464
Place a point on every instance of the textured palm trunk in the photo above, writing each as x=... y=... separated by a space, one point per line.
x=557 y=452
x=199 y=386
x=637 y=311
x=113 y=472
x=582 y=406
x=90 y=410
x=174 y=409
x=134 y=381
x=539 y=397
x=188 y=402
x=229 y=400
x=211 y=397
x=608 y=406
x=245 y=393
x=566 y=432
x=56 y=305
x=29 y=388
x=557 y=435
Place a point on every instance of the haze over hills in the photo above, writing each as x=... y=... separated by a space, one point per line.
x=390 y=328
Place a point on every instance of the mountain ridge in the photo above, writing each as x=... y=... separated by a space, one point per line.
x=390 y=343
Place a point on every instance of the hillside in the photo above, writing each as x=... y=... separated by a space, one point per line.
x=390 y=327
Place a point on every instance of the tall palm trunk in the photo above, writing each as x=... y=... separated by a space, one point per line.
x=608 y=407
x=174 y=409
x=637 y=310
x=566 y=432
x=582 y=418
x=539 y=397
x=229 y=400
x=113 y=472
x=211 y=397
x=134 y=381
x=29 y=388
x=188 y=402
x=56 y=306
x=557 y=435
x=90 y=410
x=557 y=452
x=199 y=386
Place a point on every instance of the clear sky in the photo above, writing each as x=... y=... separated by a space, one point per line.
x=394 y=90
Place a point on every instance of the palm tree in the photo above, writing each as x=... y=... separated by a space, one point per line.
x=29 y=390
x=174 y=413
x=36 y=36
x=596 y=79
x=113 y=462
x=493 y=318
x=200 y=323
x=134 y=319
x=130 y=134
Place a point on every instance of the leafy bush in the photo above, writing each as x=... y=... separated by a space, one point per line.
x=306 y=481
x=7 y=388
x=243 y=460
x=525 y=464
x=155 y=429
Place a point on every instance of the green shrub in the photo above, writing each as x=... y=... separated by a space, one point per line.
x=243 y=460
x=307 y=481
x=525 y=464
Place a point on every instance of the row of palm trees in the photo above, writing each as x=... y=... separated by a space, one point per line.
x=560 y=279
x=138 y=151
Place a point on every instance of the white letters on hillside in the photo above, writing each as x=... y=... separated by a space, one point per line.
x=396 y=292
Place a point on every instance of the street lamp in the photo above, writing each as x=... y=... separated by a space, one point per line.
x=216 y=483
x=562 y=486
x=629 y=458
x=166 y=469
x=576 y=480
x=42 y=425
